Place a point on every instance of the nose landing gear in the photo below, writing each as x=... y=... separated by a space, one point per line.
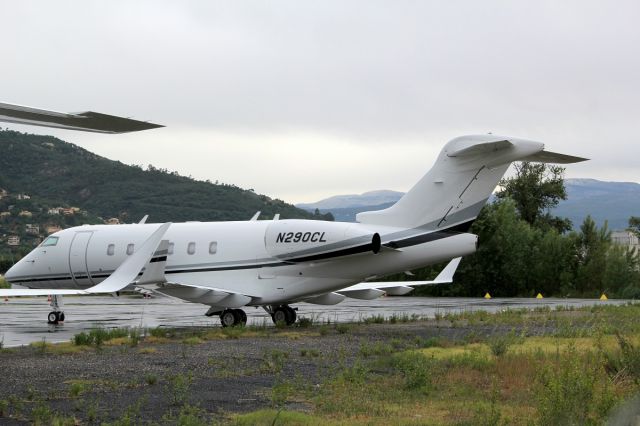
x=56 y=316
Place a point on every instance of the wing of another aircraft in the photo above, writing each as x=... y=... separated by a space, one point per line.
x=370 y=290
x=152 y=251
x=88 y=121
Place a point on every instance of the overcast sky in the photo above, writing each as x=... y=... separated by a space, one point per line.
x=303 y=100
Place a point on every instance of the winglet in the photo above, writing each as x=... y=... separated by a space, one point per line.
x=154 y=269
x=446 y=275
x=128 y=271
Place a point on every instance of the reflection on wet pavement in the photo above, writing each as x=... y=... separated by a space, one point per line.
x=23 y=320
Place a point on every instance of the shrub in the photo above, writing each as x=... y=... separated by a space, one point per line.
x=416 y=369
x=626 y=362
x=375 y=349
x=76 y=389
x=151 y=379
x=375 y=319
x=342 y=328
x=305 y=322
x=178 y=388
x=499 y=344
x=97 y=336
x=234 y=332
x=566 y=393
x=159 y=332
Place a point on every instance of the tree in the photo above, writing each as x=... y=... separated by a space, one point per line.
x=621 y=276
x=634 y=225
x=501 y=264
x=592 y=247
x=536 y=188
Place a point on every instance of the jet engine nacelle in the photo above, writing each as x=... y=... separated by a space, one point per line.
x=309 y=240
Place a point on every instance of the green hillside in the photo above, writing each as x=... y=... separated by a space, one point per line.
x=55 y=173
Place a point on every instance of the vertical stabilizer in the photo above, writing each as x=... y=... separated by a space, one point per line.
x=458 y=185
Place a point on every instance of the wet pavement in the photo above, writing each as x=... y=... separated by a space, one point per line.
x=23 y=320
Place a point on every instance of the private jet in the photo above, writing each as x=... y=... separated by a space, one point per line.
x=273 y=264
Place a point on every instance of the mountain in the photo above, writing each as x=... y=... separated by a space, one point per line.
x=41 y=173
x=614 y=202
x=372 y=198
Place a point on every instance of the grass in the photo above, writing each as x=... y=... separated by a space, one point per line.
x=497 y=378
x=580 y=365
x=270 y=417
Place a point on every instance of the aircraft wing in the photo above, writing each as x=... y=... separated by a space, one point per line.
x=370 y=290
x=87 y=121
x=152 y=251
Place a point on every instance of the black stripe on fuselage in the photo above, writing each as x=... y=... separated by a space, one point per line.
x=404 y=242
x=430 y=236
x=337 y=253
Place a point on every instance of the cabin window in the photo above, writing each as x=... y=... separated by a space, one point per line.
x=111 y=249
x=213 y=247
x=50 y=242
x=170 y=248
x=130 y=248
x=191 y=248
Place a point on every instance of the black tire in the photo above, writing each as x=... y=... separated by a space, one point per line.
x=228 y=318
x=291 y=315
x=61 y=316
x=52 y=318
x=241 y=316
x=280 y=315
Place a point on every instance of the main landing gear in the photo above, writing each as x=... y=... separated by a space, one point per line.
x=56 y=316
x=283 y=314
x=231 y=317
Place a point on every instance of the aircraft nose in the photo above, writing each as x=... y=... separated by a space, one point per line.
x=14 y=271
x=11 y=273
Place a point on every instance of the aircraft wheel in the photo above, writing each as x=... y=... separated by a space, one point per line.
x=52 y=318
x=241 y=316
x=291 y=315
x=228 y=318
x=61 y=316
x=284 y=314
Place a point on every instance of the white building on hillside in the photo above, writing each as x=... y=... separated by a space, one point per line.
x=626 y=239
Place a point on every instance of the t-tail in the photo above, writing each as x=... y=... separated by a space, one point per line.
x=458 y=185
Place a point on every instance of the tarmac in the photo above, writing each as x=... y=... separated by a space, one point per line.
x=23 y=320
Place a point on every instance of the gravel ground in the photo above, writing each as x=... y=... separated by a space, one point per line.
x=221 y=376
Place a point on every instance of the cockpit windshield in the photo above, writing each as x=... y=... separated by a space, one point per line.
x=50 y=242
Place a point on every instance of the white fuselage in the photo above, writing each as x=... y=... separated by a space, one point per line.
x=271 y=261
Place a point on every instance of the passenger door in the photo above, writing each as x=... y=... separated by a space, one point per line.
x=78 y=259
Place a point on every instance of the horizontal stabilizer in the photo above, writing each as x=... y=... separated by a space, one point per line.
x=87 y=121
x=553 y=157
x=126 y=273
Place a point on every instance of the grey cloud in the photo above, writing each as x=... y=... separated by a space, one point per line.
x=370 y=71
